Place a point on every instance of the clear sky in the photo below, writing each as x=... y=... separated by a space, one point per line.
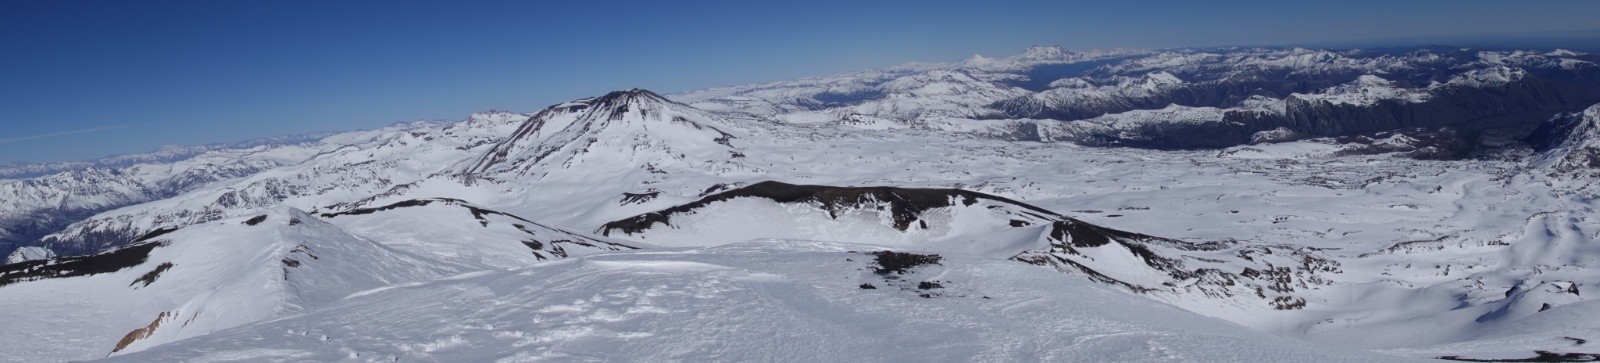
x=84 y=79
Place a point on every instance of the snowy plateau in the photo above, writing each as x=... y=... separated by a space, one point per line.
x=1215 y=205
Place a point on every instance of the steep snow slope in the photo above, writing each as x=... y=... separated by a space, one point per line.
x=759 y=301
x=635 y=128
x=29 y=254
x=190 y=282
x=1570 y=144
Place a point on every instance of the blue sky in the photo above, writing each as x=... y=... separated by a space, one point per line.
x=84 y=79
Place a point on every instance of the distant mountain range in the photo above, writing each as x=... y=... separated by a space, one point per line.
x=1406 y=203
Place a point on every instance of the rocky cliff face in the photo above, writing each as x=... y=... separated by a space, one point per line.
x=1570 y=144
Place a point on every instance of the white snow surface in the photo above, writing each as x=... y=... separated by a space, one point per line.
x=215 y=276
x=764 y=300
x=1364 y=257
x=30 y=253
x=1367 y=90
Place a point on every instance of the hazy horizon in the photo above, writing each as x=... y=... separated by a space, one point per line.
x=88 y=80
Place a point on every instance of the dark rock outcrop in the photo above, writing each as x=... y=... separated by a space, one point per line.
x=905 y=204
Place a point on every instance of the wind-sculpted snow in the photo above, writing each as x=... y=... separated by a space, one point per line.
x=958 y=221
x=1378 y=200
x=192 y=281
x=759 y=301
x=461 y=233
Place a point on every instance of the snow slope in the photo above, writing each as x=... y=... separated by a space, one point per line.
x=459 y=233
x=634 y=128
x=191 y=282
x=1572 y=146
x=340 y=168
x=1331 y=227
x=769 y=300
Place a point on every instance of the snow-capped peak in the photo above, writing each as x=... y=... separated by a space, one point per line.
x=632 y=129
x=1043 y=53
x=1563 y=53
x=634 y=96
x=30 y=253
x=1366 y=90
x=1155 y=80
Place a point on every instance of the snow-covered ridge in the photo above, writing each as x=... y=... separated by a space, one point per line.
x=1058 y=84
x=1365 y=91
x=189 y=282
x=164 y=155
x=462 y=233
x=953 y=221
x=1320 y=244
x=1570 y=144
x=339 y=169
x=30 y=253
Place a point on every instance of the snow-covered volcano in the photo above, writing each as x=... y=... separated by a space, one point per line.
x=1377 y=200
x=624 y=129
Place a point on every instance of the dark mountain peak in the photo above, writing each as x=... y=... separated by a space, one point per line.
x=634 y=95
x=631 y=121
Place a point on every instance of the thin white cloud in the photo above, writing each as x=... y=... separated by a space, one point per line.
x=63 y=133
